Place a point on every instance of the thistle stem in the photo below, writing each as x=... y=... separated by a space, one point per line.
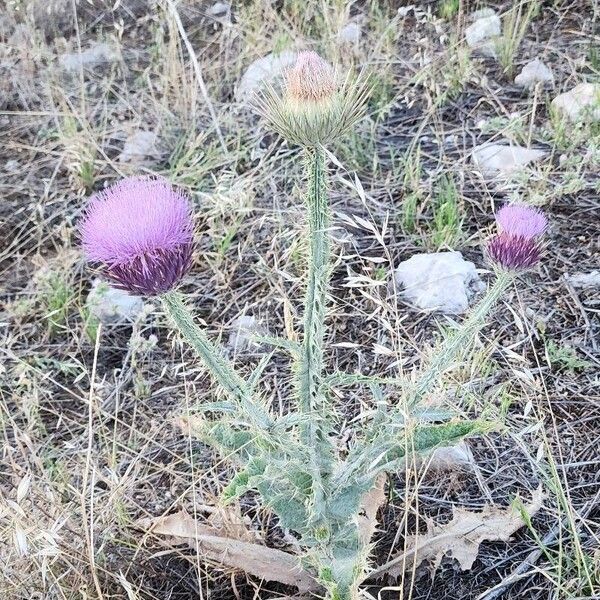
x=460 y=339
x=443 y=357
x=220 y=368
x=311 y=374
x=312 y=400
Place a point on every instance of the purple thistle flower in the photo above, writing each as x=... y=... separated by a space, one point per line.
x=140 y=232
x=521 y=220
x=517 y=247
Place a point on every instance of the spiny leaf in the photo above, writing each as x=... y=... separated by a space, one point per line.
x=428 y=437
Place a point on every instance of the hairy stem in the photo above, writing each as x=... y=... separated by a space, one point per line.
x=312 y=400
x=220 y=368
x=311 y=373
x=385 y=429
x=459 y=339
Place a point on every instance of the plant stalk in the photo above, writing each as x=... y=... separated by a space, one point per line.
x=459 y=339
x=443 y=357
x=312 y=401
x=220 y=368
x=311 y=375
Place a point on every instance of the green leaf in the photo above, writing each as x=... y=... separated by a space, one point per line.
x=428 y=437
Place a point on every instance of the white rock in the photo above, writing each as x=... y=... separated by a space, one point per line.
x=483 y=34
x=494 y=159
x=96 y=55
x=261 y=71
x=219 y=9
x=585 y=281
x=583 y=98
x=450 y=458
x=350 y=33
x=441 y=281
x=112 y=306
x=241 y=338
x=482 y=13
x=534 y=72
x=404 y=11
x=138 y=146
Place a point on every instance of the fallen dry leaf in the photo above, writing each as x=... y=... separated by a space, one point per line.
x=257 y=560
x=229 y=522
x=460 y=538
x=370 y=504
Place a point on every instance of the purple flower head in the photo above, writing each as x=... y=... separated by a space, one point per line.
x=517 y=247
x=521 y=220
x=140 y=232
x=515 y=253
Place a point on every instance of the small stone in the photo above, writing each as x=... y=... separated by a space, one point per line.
x=451 y=458
x=584 y=281
x=241 y=338
x=350 y=33
x=219 y=9
x=441 y=281
x=404 y=11
x=583 y=100
x=483 y=34
x=96 y=55
x=534 y=72
x=261 y=71
x=482 y=13
x=112 y=306
x=451 y=140
x=139 y=146
x=494 y=159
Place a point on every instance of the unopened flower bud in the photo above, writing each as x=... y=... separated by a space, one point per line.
x=517 y=246
x=311 y=79
x=140 y=233
x=314 y=108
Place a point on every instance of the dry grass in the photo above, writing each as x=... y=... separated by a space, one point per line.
x=86 y=413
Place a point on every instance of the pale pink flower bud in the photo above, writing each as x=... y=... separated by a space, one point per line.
x=311 y=79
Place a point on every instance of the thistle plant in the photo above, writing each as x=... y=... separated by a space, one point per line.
x=139 y=233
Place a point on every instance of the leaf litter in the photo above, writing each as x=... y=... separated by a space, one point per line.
x=460 y=538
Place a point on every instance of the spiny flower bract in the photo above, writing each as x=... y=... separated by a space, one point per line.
x=314 y=108
x=517 y=246
x=140 y=232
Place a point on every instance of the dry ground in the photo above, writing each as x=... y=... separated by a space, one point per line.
x=88 y=440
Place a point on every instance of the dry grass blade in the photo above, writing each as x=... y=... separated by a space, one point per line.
x=460 y=538
x=262 y=562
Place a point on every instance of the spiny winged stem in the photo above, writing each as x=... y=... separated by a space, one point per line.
x=222 y=371
x=311 y=398
x=384 y=432
x=459 y=339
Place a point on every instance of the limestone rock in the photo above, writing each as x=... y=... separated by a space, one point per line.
x=112 y=306
x=585 y=281
x=484 y=32
x=441 y=281
x=534 y=72
x=494 y=159
x=220 y=9
x=350 y=33
x=241 y=338
x=582 y=100
x=94 y=56
x=261 y=71
x=138 y=146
